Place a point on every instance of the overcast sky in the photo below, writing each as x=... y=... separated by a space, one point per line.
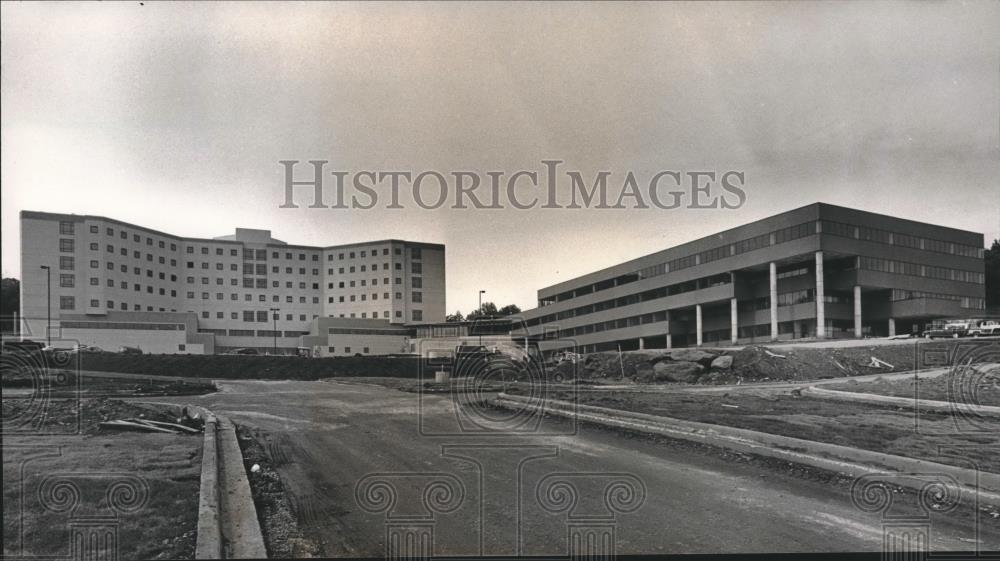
x=174 y=116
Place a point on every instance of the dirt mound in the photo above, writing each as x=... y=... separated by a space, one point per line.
x=753 y=363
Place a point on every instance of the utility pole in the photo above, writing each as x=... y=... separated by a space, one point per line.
x=48 y=304
x=274 y=330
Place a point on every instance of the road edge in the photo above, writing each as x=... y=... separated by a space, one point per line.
x=908 y=472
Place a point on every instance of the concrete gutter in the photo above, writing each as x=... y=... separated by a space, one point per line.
x=911 y=403
x=907 y=472
x=227 y=519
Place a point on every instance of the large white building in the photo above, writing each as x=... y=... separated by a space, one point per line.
x=111 y=281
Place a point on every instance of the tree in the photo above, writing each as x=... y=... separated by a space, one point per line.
x=10 y=303
x=455 y=317
x=509 y=310
x=992 y=258
x=489 y=310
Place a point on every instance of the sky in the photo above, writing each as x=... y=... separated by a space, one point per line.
x=175 y=115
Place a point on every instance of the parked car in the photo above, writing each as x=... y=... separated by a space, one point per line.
x=985 y=328
x=241 y=351
x=952 y=330
x=129 y=350
x=88 y=349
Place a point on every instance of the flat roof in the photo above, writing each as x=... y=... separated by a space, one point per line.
x=32 y=214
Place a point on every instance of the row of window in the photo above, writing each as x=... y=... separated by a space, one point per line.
x=877 y=235
x=369 y=331
x=130 y=326
x=249 y=297
x=917 y=270
x=646 y=296
x=743 y=246
x=415 y=297
x=68 y=303
x=969 y=302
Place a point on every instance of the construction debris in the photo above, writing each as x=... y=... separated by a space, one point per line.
x=876 y=363
x=775 y=355
x=132 y=425
x=148 y=426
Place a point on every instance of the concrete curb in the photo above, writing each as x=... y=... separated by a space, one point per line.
x=911 y=403
x=209 y=542
x=907 y=472
x=227 y=519
x=240 y=527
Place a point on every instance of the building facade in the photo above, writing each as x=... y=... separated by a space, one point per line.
x=103 y=270
x=819 y=271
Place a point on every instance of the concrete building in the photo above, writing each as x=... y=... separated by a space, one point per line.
x=820 y=271
x=104 y=271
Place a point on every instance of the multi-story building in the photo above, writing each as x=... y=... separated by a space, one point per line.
x=820 y=271
x=244 y=290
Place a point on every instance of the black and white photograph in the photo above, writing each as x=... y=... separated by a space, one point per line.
x=575 y=281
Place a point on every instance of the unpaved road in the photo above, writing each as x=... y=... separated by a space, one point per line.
x=325 y=437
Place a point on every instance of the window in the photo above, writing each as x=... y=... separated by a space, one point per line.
x=262 y=316
x=418 y=315
x=69 y=281
x=66 y=245
x=417 y=268
x=67 y=302
x=417 y=296
x=93 y=229
x=417 y=282
x=94 y=281
x=66 y=228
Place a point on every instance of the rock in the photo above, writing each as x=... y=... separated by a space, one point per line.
x=724 y=362
x=692 y=355
x=676 y=371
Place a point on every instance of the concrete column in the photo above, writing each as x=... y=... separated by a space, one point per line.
x=670 y=342
x=820 y=305
x=697 y=322
x=642 y=344
x=857 y=311
x=733 y=324
x=774 y=301
x=892 y=327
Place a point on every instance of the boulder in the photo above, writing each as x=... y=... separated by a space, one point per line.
x=724 y=362
x=676 y=371
x=693 y=355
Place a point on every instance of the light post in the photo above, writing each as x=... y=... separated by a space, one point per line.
x=481 y=292
x=274 y=329
x=48 y=304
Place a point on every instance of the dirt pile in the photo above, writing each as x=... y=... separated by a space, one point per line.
x=65 y=415
x=750 y=364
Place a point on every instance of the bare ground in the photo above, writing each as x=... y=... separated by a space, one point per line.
x=870 y=427
x=162 y=526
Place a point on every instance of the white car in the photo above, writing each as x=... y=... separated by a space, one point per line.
x=985 y=329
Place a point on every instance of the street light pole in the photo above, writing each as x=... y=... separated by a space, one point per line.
x=274 y=329
x=48 y=304
x=481 y=292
